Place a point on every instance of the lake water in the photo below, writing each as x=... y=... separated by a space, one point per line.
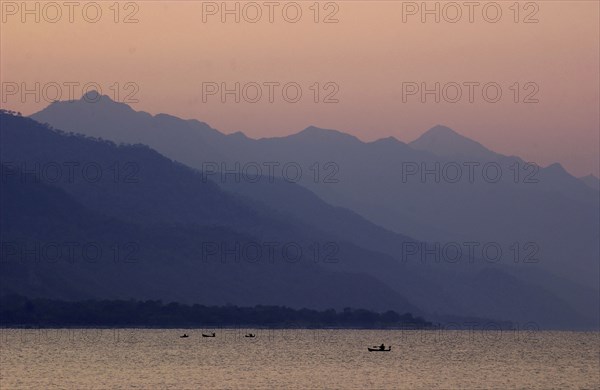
x=297 y=359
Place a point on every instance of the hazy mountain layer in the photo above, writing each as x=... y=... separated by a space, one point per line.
x=530 y=217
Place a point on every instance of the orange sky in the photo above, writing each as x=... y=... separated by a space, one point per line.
x=368 y=54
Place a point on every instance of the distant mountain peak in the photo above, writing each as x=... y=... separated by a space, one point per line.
x=314 y=132
x=94 y=96
x=312 y=128
x=238 y=135
x=440 y=133
x=391 y=141
x=556 y=167
x=91 y=103
x=318 y=130
x=445 y=142
x=441 y=130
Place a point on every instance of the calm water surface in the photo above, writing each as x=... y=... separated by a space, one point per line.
x=297 y=359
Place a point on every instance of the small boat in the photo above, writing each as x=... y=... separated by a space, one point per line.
x=208 y=335
x=250 y=335
x=377 y=349
x=184 y=336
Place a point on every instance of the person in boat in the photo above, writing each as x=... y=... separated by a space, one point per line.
x=213 y=334
x=382 y=347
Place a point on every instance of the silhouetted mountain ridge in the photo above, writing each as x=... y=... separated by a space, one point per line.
x=445 y=142
x=555 y=211
x=169 y=262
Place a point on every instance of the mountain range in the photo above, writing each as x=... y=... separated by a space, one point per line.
x=528 y=204
x=354 y=203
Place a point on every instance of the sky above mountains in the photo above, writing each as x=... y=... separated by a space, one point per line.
x=357 y=75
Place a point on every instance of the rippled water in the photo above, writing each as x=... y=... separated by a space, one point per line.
x=297 y=359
